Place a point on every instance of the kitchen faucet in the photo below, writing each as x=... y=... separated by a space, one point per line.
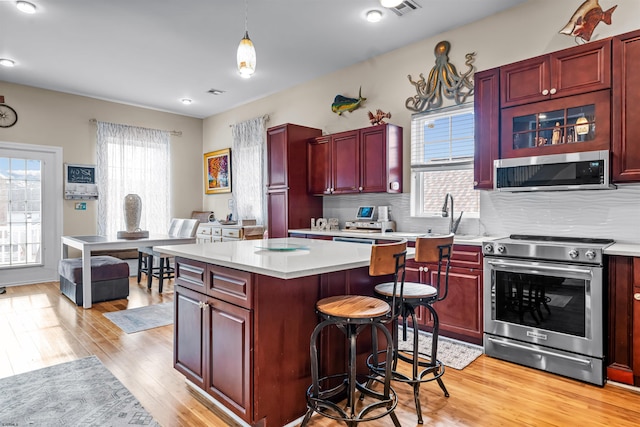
x=453 y=225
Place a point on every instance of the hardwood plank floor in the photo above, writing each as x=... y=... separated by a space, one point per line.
x=39 y=327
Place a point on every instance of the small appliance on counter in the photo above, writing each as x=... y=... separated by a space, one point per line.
x=364 y=221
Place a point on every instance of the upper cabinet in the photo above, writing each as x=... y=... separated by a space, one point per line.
x=626 y=108
x=573 y=71
x=486 y=126
x=574 y=123
x=367 y=160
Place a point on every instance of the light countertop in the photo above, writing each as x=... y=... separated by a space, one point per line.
x=310 y=256
x=458 y=239
x=623 y=249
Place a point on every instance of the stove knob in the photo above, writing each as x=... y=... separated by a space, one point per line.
x=573 y=253
x=590 y=254
x=488 y=248
x=500 y=249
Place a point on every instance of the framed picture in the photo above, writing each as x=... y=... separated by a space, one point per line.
x=217 y=171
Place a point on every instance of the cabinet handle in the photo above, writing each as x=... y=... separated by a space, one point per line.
x=545 y=92
x=360 y=188
x=636 y=296
x=420 y=268
x=200 y=305
x=553 y=91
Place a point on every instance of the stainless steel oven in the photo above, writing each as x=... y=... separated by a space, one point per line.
x=544 y=300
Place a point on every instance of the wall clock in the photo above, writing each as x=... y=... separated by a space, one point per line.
x=8 y=116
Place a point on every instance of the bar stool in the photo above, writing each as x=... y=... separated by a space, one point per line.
x=429 y=249
x=351 y=314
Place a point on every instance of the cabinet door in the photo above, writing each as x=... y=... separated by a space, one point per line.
x=622 y=320
x=563 y=125
x=373 y=160
x=635 y=348
x=277 y=157
x=188 y=343
x=278 y=213
x=230 y=356
x=626 y=108
x=523 y=82
x=568 y=72
x=345 y=159
x=416 y=273
x=487 y=126
x=381 y=159
x=460 y=312
x=319 y=166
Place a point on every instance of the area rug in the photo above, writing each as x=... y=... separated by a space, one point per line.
x=82 y=392
x=558 y=300
x=453 y=353
x=142 y=318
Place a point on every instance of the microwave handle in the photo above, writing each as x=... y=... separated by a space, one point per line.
x=528 y=268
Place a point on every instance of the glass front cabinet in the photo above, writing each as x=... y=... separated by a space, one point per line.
x=574 y=123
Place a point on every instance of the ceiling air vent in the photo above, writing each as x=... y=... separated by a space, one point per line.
x=407 y=6
x=215 y=91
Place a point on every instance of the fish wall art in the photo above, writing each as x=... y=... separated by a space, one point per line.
x=342 y=103
x=585 y=19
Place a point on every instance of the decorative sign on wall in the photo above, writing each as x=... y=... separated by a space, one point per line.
x=80 y=181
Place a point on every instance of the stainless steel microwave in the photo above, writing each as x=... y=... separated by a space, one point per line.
x=587 y=170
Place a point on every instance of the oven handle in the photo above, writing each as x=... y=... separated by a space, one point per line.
x=539 y=350
x=528 y=268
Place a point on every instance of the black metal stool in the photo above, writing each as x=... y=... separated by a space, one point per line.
x=351 y=314
x=430 y=249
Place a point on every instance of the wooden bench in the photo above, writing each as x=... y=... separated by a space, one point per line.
x=110 y=279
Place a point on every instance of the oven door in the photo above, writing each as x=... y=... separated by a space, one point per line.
x=546 y=304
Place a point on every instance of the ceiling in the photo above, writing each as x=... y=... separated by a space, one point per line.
x=153 y=53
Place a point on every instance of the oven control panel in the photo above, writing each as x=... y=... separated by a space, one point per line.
x=543 y=251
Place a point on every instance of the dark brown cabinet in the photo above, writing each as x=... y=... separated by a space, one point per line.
x=623 y=363
x=626 y=108
x=213 y=338
x=568 y=72
x=460 y=312
x=563 y=125
x=486 y=126
x=367 y=160
x=288 y=203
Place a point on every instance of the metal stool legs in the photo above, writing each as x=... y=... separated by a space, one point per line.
x=319 y=399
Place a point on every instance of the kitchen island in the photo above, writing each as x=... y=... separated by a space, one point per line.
x=244 y=313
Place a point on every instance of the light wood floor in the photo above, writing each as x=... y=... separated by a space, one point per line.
x=39 y=327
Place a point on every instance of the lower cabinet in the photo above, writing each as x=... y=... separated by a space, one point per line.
x=623 y=355
x=213 y=348
x=460 y=313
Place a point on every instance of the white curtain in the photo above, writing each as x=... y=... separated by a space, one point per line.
x=247 y=163
x=133 y=160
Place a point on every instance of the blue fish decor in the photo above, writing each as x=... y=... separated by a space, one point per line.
x=342 y=103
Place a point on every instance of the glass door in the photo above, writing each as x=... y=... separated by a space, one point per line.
x=20 y=211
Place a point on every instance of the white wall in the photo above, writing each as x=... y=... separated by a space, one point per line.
x=57 y=119
x=522 y=32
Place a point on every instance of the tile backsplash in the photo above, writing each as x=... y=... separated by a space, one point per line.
x=589 y=213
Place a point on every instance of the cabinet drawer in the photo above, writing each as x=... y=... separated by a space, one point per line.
x=466 y=256
x=231 y=232
x=191 y=274
x=230 y=285
x=202 y=230
x=217 y=231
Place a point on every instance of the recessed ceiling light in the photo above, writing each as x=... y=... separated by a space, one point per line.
x=7 y=62
x=374 y=15
x=186 y=101
x=390 y=3
x=26 y=7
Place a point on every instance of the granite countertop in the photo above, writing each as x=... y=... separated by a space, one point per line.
x=623 y=249
x=460 y=239
x=305 y=257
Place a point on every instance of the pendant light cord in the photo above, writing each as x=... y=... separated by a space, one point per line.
x=246 y=16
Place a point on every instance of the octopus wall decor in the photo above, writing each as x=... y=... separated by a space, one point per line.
x=443 y=80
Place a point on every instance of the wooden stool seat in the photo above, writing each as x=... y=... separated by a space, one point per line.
x=411 y=290
x=353 y=307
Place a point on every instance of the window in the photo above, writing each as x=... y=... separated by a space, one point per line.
x=442 y=161
x=133 y=160
x=20 y=211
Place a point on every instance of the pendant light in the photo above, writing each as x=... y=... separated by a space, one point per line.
x=246 y=52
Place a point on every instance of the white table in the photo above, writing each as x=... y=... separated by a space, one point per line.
x=88 y=244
